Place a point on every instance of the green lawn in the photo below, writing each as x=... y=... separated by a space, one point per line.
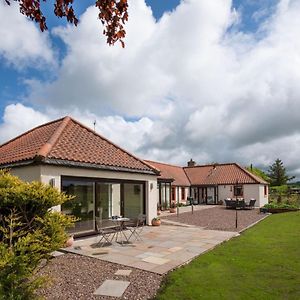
x=263 y=263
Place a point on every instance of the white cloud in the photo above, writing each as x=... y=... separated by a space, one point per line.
x=17 y=119
x=21 y=42
x=194 y=88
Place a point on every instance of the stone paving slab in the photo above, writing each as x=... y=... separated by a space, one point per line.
x=162 y=248
x=112 y=288
x=123 y=272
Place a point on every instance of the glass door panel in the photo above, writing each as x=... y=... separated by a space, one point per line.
x=108 y=199
x=133 y=200
x=82 y=206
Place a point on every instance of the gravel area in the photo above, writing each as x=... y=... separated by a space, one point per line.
x=77 y=277
x=218 y=218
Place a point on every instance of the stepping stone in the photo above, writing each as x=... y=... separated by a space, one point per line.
x=112 y=288
x=57 y=253
x=123 y=272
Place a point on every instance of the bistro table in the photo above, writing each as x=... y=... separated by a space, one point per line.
x=121 y=226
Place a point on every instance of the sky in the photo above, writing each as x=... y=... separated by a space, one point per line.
x=216 y=81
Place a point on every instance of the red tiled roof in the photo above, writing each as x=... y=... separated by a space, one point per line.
x=66 y=140
x=168 y=171
x=230 y=173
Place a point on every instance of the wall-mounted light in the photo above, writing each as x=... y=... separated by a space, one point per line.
x=151 y=186
x=52 y=182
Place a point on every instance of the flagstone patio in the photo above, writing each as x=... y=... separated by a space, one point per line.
x=162 y=248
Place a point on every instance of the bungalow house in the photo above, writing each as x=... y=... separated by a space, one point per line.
x=173 y=184
x=208 y=184
x=80 y=162
x=211 y=183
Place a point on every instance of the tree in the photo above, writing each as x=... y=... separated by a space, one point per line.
x=112 y=13
x=29 y=231
x=277 y=174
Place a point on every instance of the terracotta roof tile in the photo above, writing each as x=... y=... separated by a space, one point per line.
x=171 y=172
x=230 y=173
x=68 y=140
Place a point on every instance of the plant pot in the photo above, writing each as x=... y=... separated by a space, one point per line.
x=156 y=222
x=69 y=242
x=158 y=212
x=172 y=210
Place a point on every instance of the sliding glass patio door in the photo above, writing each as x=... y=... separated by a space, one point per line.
x=97 y=197
x=82 y=206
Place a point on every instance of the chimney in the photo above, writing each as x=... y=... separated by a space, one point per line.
x=191 y=163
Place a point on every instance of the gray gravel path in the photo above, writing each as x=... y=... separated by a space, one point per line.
x=218 y=218
x=77 y=277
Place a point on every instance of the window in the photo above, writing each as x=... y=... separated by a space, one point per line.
x=173 y=193
x=183 y=193
x=265 y=190
x=238 y=190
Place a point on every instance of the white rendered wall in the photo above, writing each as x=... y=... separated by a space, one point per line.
x=255 y=191
x=225 y=191
x=27 y=173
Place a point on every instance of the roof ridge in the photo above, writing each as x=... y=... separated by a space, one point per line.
x=166 y=164
x=110 y=142
x=30 y=130
x=187 y=176
x=46 y=148
x=210 y=165
x=151 y=166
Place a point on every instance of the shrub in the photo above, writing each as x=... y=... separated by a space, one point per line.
x=29 y=231
x=281 y=205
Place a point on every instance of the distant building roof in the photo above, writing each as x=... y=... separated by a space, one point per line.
x=214 y=174
x=168 y=172
x=230 y=173
x=67 y=142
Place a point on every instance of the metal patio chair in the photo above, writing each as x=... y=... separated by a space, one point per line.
x=107 y=230
x=136 y=227
x=251 y=204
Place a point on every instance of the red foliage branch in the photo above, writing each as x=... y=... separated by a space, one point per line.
x=112 y=13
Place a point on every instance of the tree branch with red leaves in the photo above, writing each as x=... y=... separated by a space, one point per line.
x=112 y=13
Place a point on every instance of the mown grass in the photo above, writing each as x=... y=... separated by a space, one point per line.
x=262 y=263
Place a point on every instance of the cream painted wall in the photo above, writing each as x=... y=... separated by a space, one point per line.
x=225 y=191
x=263 y=199
x=255 y=191
x=27 y=173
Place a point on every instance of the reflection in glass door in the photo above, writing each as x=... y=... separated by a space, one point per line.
x=133 y=203
x=82 y=206
x=108 y=199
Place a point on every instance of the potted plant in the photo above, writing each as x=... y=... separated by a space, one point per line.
x=173 y=207
x=158 y=210
x=156 y=221
x=69 y=241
